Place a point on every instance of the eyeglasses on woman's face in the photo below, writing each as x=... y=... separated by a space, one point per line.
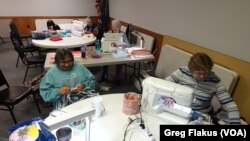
x=200 y=75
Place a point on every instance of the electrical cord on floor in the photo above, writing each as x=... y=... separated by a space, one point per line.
x=139 y=105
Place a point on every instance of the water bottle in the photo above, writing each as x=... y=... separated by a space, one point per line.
x=97 y=47
x=83 y=52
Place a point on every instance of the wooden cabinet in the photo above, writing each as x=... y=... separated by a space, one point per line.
x=25 y=24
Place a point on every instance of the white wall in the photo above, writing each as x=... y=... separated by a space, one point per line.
x=4 y=28
x=220 y=25
x=17 y=8
x=47 y=8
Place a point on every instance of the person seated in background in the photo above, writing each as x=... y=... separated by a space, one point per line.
x=91 y=27
x=64 y=82
x=116 y=28
x=206 y=84
x=52 y=26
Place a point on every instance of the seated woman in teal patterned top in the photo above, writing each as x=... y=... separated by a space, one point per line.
x=65 y=80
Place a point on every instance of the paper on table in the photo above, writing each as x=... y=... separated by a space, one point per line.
x=85 y=36
x=57 y=113
x=138 y=52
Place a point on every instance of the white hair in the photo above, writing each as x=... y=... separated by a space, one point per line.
x=116 y=23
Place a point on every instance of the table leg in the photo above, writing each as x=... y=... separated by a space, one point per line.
x=137 y=74
x=2 y=39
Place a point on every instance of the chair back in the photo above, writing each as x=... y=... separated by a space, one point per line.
x=19 y=50
x=132 y=39
x=13 y=28
x=15 y=33
x=3 y=81
x=13 y=38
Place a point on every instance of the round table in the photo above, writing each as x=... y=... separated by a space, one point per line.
x=112 y=123
x=67 y=42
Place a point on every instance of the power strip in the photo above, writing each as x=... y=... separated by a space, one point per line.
x=145 y=131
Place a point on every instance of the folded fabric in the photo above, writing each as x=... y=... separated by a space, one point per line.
x=55 y=38
x=138 y=52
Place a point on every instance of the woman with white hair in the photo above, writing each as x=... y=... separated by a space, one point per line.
x=115 y=28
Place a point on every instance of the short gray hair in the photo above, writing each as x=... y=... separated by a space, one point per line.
x=61 y=53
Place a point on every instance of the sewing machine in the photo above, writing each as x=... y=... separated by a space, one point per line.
x=77 y=28
x=167 y=100
x=109 y=39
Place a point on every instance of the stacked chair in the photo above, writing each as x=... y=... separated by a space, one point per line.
x=31 y=61
x=24 y=41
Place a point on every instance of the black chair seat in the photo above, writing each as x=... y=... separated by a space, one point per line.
x=35 y=59
x=13 y=95
x=30 y=48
